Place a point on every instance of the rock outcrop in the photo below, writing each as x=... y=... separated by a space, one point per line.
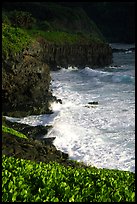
x=29 y=54
x=26 y=75
x=80 y=55
x=35 y=148
x=25 y=83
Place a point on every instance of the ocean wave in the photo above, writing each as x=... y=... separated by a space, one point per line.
x=106 y=76
x=123 y=79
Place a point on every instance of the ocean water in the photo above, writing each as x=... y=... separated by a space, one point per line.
x=100 y=135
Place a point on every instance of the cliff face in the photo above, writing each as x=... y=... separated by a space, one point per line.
x=26 y=75
x=28 y=55
x=80 y=55
x=25 y=83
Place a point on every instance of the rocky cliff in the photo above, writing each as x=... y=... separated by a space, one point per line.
x=26 y=75
x=29 y=53
x=25 y=83
x=80 y=55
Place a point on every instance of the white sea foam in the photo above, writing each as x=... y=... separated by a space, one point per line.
x=101 y=135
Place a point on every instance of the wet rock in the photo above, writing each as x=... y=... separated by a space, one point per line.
x=28 y=149
x=47 y=140
x=79 y=54
x=38 y=151
x=30 y=131
x=93 y=103
x=59 y=101
x=41 y=149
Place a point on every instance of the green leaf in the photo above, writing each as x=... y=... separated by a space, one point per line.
x=133 y=197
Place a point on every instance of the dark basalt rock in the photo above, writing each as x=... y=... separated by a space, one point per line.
x=26 y=75
x=93 y=103
x=80 y=54
x=59 y=101
x=31 y=149
x=25 y=83
x=36 y=132
x=34 y=148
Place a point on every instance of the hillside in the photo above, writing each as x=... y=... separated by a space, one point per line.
x=39 y=37
x=116 y=20
x=51 y=16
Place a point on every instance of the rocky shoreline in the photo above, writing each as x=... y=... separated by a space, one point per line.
x=22 y=96
x=28 y=55
x=35 y=148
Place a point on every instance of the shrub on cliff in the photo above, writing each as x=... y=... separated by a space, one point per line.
x=13 y=39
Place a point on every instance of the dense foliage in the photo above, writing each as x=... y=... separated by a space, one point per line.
x=26 y=181
x=14 y=39
x=18 y=32
x=116 y=20
x=52 y=16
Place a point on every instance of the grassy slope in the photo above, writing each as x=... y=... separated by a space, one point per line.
x=14 y=39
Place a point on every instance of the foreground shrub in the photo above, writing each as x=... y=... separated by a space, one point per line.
x=26 y=181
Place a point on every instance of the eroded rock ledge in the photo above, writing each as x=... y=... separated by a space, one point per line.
x=77 y=54
x=35 y=148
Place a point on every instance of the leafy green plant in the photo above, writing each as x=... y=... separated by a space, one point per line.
x=13 y=132
x=27 y=181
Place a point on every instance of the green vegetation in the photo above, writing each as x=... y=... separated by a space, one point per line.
x=14 y=39
x=58 y=17
x=116 y=20
x=13 y=132
x=22 y=25
x=19 y=29
x=59 y=37
x=27 y=181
